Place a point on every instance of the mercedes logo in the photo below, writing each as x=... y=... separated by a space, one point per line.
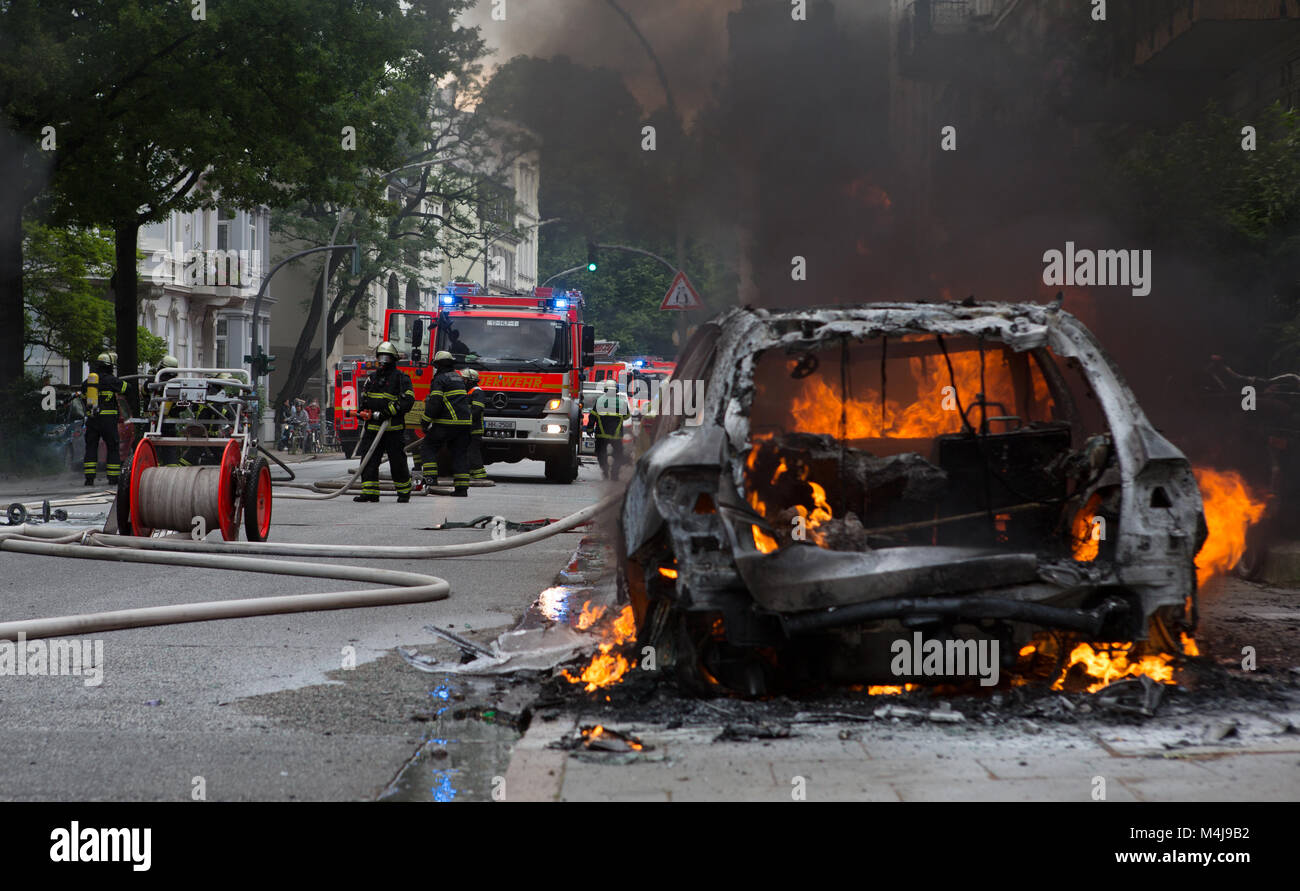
x=500 y=401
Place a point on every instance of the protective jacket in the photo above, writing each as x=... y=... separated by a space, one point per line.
x=477 y=402
x=608 y=415
x=101 y=390
x=447 y=404
x=389 y=396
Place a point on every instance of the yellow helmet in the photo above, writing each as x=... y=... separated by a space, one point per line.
x=387 y=349
x=471 y=375
x=170 y=361
x=443 y=357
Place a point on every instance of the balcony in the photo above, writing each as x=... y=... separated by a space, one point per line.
x=1190 y=35
x=932 y=32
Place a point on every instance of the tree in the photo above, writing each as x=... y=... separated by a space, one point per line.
x=63 y=279
x=157 y=112
x=151 y=348
x=433 y=207
x=1240 y=223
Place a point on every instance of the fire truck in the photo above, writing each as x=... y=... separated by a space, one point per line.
x=349 y=374
x=531 y=352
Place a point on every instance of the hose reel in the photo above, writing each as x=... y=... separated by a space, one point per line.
x=177 y=498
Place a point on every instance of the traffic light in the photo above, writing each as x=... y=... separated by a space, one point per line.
x=591 y=256
x=262 y=364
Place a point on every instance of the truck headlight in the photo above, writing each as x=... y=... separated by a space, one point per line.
x=554 y=428
x=554 y=405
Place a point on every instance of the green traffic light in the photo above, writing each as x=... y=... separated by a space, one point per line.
x=591 y=267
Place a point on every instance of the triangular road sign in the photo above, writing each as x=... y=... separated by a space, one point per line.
x=681 y=295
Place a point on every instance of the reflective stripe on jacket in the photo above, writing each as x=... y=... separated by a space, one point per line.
x=448 y=402
x=608 y=416
x=390 y=393
x=105 y=388
x=477 y=404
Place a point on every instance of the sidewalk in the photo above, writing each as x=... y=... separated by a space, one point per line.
x=889 y=760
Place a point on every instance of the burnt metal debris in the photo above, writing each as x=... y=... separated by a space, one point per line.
x=807 y=512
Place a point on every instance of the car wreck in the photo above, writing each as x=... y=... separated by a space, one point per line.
x=972 y=471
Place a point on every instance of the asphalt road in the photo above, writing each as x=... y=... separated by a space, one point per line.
x=236 y=707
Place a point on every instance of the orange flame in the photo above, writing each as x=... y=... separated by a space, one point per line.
x=588 y=616
x=1230 y=509
x=606 y=667
x=933 y=411
x=1086 y=535
x=593 y=733
x=1110 y=662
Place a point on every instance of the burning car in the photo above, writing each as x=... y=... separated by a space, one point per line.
x=973 y=471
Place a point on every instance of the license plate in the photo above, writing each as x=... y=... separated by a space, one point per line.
x=499 y=429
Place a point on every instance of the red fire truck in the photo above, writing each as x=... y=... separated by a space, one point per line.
x=530 y=351
x=349 y=373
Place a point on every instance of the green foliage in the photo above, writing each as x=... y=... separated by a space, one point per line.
x=151 y=348
x=63 y=274
x=1197 y=189
x=259 y=103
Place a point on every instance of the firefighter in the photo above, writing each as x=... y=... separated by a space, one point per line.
x=387 y=395
x=606 y=418
x=101 y=390
x=447 y=421
x=476 y=405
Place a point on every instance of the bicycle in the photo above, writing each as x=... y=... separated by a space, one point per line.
x=311 y=440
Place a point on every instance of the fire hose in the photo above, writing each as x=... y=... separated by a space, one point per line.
x=411 y=587
x=316 y=494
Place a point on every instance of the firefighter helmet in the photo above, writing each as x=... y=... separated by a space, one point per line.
x=170 y=361
x=386 y=349
x=471 y=375
x=106 y=358
x=442 y=357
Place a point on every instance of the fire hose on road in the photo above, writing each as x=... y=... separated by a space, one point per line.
x=89 y=544
x=317 y=494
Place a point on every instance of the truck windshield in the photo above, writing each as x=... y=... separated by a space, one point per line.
x=535 y=343
x=401 y=332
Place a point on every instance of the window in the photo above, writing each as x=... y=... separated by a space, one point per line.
x=222 y=328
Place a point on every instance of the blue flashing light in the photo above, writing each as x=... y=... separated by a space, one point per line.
x=446 y=299
x=561 y=303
